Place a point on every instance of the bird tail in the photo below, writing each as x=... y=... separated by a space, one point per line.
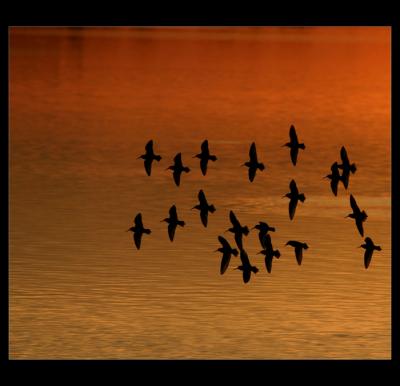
x=186 y=169
x=277 y=254
x=302 y=197
x=353 y=168
x=157 y=157
x=211 y=208
x=302 y=146
x=254 y=269
x=213 y=158
x=235 y=252
x=246 y=230
x=181 y=223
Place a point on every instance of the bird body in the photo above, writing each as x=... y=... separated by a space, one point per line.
x=346 y=167
x=138 y=230
x=263 y=228
x=294 y=145
x=204 y=208
x=269 y=252
x=298 y=249
x=294 y=197
x=253 y=163
x=369 y=247
x=149 y=157
x=178 y=168
x=173 y=222
x=205 y=156
x=358 y=215
x=237 y=229
x=246 y=267
x=227 y=251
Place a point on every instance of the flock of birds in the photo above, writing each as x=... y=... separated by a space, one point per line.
x=264 y=229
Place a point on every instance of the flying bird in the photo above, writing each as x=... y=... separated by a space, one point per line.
x=227 y=251
x=298 y=249
x=294 y=198
x=335 y=177
x=253 y=164
x=246 y=267
x=149 y=157
x=264 y=228
x=237 y=230
x=346 y=167
x=173 y=222
x=269 y=252
x=358 y=215
x=205 y=157
x=369 y=247
x=178 y=168
x=204 y=208
x=138 y=230
x=294 y=145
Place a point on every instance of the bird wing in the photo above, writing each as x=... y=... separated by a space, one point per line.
x=224 y=242
x=334 y=186
x=367 y=257
x=292 y=208
x=244 y=258
x=354 y=205
x=293 y=154
x=138 y=220
x=343 y=156
x=204 y=217
x=171 y=231
x=246 y=275
x=137 y=237
x=177 y=177
x=253 y=153
x=203 y=165
x=293 y=187
x=149 y=146
x=360 y=227
x=252 y=173
x=233 y=219
x=345 y=178
x=292 y=134
x=147 y=165
x=299 y=254
x=204 y=146
x=178 y=159
x=268 y=263
x=238 y=239
x=173 y=213
x=226 y=258
x=267 y=243
x=202 y=198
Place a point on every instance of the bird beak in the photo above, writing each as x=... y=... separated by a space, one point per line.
x=284 y=196
x=166 y=168
x=216 y=250
x=138 y=157
x=194 y=207
x=243 y=165
x=226 y=231
x=253 y=228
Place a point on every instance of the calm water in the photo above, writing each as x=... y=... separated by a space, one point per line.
x=83 y=103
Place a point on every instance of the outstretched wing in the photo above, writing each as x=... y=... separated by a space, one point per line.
x=147 y=165
x=267 y=243
x=173 y=213
x=138 y=221
x=202 y=198
x=354 y=205
x=149 y=146
x=268 y=263
x=293 y=154
x=299 y=254
x=171 y=231
x=292 y=208
x=137 y=237
x=253 y=153
x=360 y=227
x=293 y=187
x=246 y=275
x=293 y=135
x=204 y=217
x=224 y=242
x=226 y=258
x=334 y=185
x=244 y=258
x=204 y=146
x=343 y=156
x=203 y=165
x=233 y=219
x=367 y=257
x=178 y=160
x=177 y=177
x=252 y=173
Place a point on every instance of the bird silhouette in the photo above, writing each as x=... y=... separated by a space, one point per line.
x=294 y=145
x=173 y=222
x=227 y=251
x=369 y=247
x=178 y=168
x=346 y=167
x=298 y=249
x=269 y=252
x=149 y=157
x=204 y=208
x=138 y=230
x=335 y=177
x=294 y=197
x=358 y=216
x=253 y=164
x=237 y=230
x=205 y=157
x=264 y=228
x=246 y=267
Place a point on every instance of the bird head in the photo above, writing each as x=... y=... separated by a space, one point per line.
x=197 y=156
x=305 y=246
x=166 y=220
x=132 y=229
x=170 y=167
x=141 y=156
x=286 y=195
x=286 y=144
